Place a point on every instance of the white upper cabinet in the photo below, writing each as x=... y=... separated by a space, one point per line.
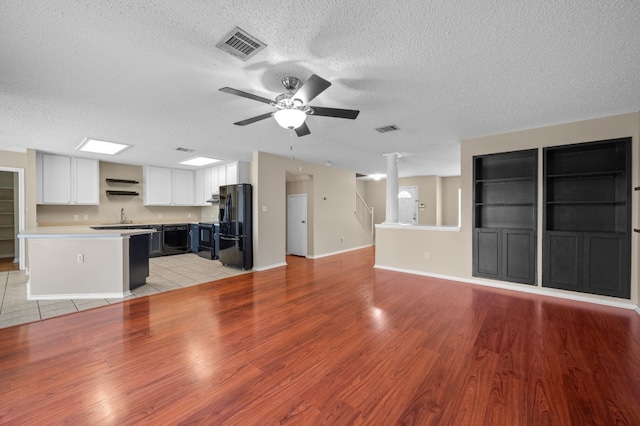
x=86 y=181
x=204 y=185
x=183 y=187
x=231 y=172
x=222 y=175
x=177 y=187
x=67 y=180
x=169 y=187
x=209 y=180
x=158 y=186
x=235 y=173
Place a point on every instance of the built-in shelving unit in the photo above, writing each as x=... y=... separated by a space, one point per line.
x=7 y=217
x=504 y=219
x=587 y=210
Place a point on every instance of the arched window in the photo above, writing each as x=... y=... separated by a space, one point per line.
x=404 y=194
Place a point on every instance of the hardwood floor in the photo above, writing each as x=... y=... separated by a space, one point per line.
x=327 y=341
x=8 y=265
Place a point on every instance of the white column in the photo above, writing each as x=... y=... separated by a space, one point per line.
x=392 y=187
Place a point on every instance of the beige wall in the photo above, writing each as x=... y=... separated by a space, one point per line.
x=335 y=227
x=457 y=258
x=435 y=192
x=450 y=200
x=108 y=211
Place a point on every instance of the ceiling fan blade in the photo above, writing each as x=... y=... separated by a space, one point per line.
x=237 y=92
x=253 y=119
x=335 y=112
x=311 y=88
x=303 y=130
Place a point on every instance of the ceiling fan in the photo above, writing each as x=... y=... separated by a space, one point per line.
x=293 y=106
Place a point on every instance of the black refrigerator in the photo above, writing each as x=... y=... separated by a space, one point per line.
x=236 y=242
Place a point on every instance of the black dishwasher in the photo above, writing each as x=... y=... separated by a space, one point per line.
x=175 y=239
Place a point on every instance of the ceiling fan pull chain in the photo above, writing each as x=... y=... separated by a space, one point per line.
x=291 y=144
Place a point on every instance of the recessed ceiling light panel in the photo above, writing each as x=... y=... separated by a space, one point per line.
x=101 y=147
x=199 y=161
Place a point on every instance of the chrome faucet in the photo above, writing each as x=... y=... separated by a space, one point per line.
x=122 y=216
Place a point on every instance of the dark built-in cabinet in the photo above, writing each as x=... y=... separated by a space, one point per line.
x=504 y=218
x=587 y=212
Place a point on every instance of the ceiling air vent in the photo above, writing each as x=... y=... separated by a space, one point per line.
x=184 y=149
x=240 y=44
x=390 y=128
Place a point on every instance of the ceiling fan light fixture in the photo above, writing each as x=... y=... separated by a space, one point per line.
x=290 y=118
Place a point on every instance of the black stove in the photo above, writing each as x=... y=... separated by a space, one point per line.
x=208 y=240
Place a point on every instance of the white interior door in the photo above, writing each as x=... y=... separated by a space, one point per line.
x=297 y=225
x=408 y=205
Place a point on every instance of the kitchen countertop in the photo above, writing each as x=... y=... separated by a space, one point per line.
x=81 y=232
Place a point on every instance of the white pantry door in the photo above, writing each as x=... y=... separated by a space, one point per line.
x=297 y=225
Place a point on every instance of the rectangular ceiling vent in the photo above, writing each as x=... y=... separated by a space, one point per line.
x=240 y=44
x=184 y=149
x=390 y=128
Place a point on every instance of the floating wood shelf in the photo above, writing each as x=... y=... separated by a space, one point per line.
x=109 y=192
x=122 y=181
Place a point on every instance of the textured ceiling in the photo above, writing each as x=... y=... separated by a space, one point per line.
x=147 y=73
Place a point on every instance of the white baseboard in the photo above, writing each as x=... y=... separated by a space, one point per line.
x=523 y=288
x=338 y=252
x=74 y=296
x=275 y=265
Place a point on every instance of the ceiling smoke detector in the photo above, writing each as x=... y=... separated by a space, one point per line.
x=240 y=44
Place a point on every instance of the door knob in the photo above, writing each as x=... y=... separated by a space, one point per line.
x=304 y=221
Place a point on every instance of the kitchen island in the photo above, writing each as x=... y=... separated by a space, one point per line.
x=85 y=263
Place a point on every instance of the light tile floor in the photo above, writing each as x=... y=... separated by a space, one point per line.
x=165 y=273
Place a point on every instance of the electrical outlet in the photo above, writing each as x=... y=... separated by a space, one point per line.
x=75 y=217
x=189 y=215
x=426 y=256
x=86 y=217
x=159 y=215
x=80 y=258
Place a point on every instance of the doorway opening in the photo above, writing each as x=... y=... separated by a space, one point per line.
x=12 y=216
